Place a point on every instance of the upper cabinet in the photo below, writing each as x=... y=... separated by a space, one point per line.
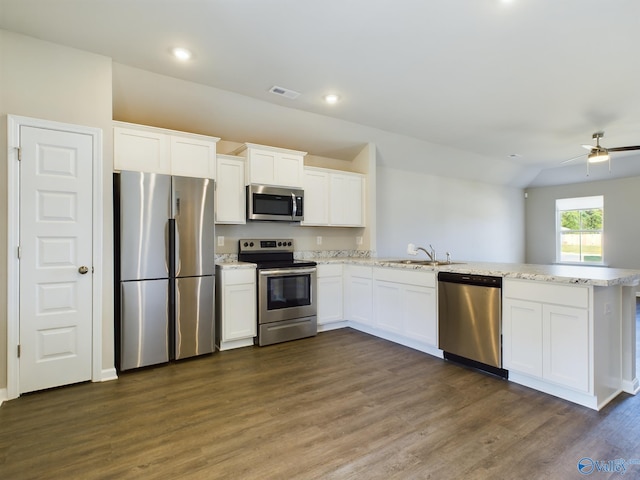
x=333 y=198
x=230 y=191
x=272 y=166
x=156 y=150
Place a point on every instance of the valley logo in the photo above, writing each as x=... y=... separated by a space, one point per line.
x=587 y=466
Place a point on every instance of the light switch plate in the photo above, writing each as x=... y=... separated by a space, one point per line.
x=318 y=240
x=220 y=241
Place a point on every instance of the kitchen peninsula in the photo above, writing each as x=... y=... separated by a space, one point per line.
x=568 y=331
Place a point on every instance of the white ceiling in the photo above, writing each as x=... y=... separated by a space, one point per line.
x=529 y=77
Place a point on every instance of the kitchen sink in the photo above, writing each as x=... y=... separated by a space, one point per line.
x=423 y=262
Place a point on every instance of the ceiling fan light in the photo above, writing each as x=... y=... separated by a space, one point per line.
x=598 y=156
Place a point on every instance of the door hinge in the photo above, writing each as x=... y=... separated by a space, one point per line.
x=19 y=253
x=18 y=351
x=19 y=153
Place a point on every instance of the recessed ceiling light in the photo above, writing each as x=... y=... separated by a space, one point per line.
x=181 y=53
x=331 y=98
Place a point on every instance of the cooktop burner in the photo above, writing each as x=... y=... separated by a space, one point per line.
x=270 y=253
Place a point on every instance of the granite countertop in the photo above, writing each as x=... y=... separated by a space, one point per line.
x=573 y=274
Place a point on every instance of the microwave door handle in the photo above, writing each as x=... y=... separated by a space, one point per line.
x=295 y=207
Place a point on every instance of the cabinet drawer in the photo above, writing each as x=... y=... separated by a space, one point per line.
x=239 y=276
x=330 y=270
x=406 y=276
x=359 y=271
x=545 y=292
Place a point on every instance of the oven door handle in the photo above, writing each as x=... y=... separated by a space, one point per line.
x=287 y=271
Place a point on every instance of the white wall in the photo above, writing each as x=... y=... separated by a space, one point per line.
x=621 y=225
x=43 y=80
x=473 y=221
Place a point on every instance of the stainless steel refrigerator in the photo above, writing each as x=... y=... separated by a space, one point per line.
x=164 y=268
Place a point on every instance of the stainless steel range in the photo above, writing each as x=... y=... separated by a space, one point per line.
x=286 y=290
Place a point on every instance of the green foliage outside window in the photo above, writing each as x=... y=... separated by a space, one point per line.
x=581 y=235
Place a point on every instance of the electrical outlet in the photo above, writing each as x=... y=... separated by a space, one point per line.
x=358 y=240
x=607 y=309
x=318 y=240
x=221 y=241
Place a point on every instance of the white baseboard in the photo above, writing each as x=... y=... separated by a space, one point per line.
x=3 y=395
x=107 y=375
x=325 y=327
x=632 y=387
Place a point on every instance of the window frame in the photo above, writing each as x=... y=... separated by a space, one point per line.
x=579 y=204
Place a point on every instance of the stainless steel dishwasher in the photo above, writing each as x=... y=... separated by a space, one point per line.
x=469 y=320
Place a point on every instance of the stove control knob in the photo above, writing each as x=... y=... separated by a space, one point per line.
x=279 y=244
x=251 y=244
x=289 y=244
x=246 y=244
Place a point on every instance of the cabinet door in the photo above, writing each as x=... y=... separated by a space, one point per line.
x=420 y=314
x=289 y=169
x=141 y=151
x=239 y=312
x=316 y=198
x=191 y=157
x=566 y=341
x=522 y=336
x=261 y=167
x=346 y=200
x=230 y=191
x=330 y=299
x=359 y=297
x=388 y=305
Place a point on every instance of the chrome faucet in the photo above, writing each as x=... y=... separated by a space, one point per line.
x=413 y=250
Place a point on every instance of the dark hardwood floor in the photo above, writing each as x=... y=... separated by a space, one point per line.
x=342 y=405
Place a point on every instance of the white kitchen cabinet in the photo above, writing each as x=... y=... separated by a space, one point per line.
x=522 y=336
x=547 y=332
x=316 y=197
x=141 y=150
x=330 y=295
x=405 y=304
x=193 y=157
x=359 y=294
x=333 y=198
x=148 y=149
x=566 y=346
x=230 y=204
x=236 y=307
x=272 y=166
x=347 y=199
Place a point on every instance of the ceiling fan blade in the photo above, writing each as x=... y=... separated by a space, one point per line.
x=574 y=158
x=624 y=149
x=588 y=147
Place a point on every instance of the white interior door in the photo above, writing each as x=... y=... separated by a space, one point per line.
x=55 y=258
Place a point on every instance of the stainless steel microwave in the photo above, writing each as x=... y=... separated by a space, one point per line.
x=275 y=203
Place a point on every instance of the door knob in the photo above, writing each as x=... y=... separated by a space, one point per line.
x=83 y=269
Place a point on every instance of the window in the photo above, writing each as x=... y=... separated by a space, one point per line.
x=579 y=230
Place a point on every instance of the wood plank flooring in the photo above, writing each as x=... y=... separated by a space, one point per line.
x=342 y=405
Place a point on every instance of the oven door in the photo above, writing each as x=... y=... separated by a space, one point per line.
x=286 y=293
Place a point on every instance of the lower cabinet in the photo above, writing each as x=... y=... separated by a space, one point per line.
x=359 y=294
x=330 y=297
x=235 y=307
x=405 y=304
x=544 y=340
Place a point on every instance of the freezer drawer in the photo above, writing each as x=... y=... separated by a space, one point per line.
x=194 y=333
x=144 y=323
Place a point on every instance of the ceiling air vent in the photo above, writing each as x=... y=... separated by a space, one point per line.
x=284 y=92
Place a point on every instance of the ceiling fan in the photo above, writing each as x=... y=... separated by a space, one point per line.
x=598 y=153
